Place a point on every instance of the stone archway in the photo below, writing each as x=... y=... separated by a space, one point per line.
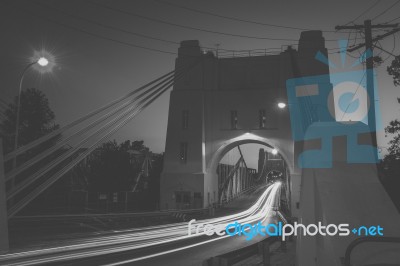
x=249 y=138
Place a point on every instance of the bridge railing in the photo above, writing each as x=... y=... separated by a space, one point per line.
x=245 y=191
x=227 y=53
x=106 y=215
x=231 y=258
x=361 y=240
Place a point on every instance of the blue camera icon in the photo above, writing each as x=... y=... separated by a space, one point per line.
x=325 y=106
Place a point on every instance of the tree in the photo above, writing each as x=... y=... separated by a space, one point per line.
x=394 y=148
x=394 y=70
x=390 y=168
x=36 y=120
x=110 y=170
x=394 y=126
x=115 y=167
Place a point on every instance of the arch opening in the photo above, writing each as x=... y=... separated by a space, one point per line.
x=244 y=164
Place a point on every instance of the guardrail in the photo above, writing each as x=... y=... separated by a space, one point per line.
x=358 y=241
x=224 y=53
x=225 y=201
x=107 y=215
x=125 y=214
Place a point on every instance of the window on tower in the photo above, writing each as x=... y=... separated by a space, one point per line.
x=183 y=152
x=185 y=119
x=262 y=118
x=234 y=119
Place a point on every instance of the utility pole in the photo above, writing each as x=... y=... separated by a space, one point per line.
x=367 y=27
x=3 y=206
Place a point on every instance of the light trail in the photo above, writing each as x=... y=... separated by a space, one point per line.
x=124 y=240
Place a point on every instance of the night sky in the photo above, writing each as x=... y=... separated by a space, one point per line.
x=91 y=70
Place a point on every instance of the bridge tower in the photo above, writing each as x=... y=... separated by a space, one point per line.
x=223 y=102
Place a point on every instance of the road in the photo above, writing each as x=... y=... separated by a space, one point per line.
x=168 y=244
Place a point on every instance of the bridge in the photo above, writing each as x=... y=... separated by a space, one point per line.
x=218 y=104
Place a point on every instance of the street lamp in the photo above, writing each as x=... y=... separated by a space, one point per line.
x=281 y=105
x=42 y=61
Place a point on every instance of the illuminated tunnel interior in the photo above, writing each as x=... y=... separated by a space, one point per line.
x=245 y=167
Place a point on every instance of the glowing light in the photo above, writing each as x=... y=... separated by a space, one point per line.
x=137 y=238
x=281 y=105
x=274 y=151
x=43 y=61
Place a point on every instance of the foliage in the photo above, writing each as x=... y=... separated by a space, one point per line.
x=114 y=167
x=36 y=120
x=394 y=70
x=391 y=162
x=394 y=126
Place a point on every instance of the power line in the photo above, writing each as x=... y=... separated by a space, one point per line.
x=354 y=94
x=184 y=26
x=233 y=18
x=122 y=30
x=393 y=19
x=187 y=27
x=115 y=40
x=378 y=37
x=390 y=54
x=364 y=12
x=102 y=24
x=386 y=10
x=96 y=35
x=369 y=39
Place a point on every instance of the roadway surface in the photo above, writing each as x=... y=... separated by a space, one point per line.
x=156 y=245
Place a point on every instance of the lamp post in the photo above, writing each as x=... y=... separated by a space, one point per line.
x=4 y=245
x=42 y=61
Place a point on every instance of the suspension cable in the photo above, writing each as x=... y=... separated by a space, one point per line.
x=125 y=117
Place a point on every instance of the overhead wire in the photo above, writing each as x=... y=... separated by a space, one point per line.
x=234 y=18
x=386 y=10
x=102 y=24
x=354 y=94
x=95 y=34
x=126 y=31
x=392 y=20
x=70 y=27
x=390 y=54
x=130 y=13
x=364 y=12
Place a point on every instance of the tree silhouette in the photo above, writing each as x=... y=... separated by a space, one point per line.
x=391 y=163
x=394 y=70
x=36 y=120
x=394 y=126
x=394 y=129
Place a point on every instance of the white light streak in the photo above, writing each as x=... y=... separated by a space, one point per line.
x=125 y=240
